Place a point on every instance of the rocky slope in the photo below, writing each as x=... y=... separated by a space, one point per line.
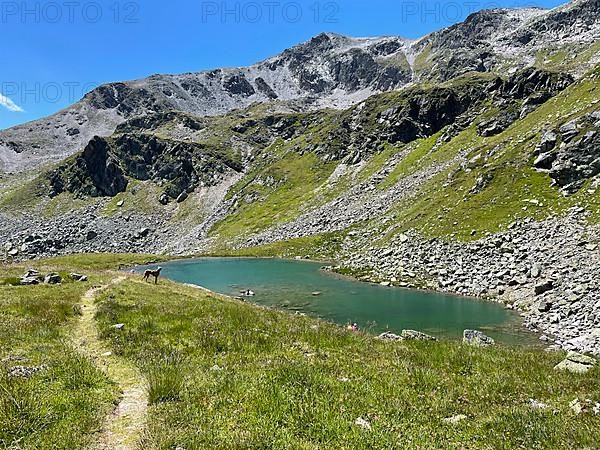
x=327 y=71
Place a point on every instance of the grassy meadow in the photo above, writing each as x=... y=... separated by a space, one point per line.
x=223 y=374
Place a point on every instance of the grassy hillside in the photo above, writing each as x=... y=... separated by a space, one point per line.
x=302 y=161
x=224 y=374
x=448 y=205
x=65 y=403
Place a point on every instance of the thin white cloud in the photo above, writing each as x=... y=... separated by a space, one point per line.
x=9 y=104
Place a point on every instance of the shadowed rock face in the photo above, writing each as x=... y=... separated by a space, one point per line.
x=95 y=172
x=239 y=85
x=577 y=157
x=101 y=169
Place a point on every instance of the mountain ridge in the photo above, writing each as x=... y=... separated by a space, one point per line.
x=329 y=70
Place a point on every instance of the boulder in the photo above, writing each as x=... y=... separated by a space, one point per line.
x=52 y=278
x=477 y=338
x=412 y=335
x=548 y=142
x=78 y=277
x=544 y=306
x=29 y=281
x=163 y=199
x=182 y=197
x=142 y=233
x=31 y=278
x=536 y=270
x=391 y=337
x=91 y=235
x=544 y=287
x=544 y=161
x=576 y=363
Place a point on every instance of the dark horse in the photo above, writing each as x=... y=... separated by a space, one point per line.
x=152 y=273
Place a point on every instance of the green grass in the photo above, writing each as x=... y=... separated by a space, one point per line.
x=447 y=206
x=30 y=194
x=98 y=261
x=139 y=197
x=249 y=377
x=64 y=404
x=296 y=176
x=166 y=379
x=317 y=246
x=226 y=374
x=23 y=196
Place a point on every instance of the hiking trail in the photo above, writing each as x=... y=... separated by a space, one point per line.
x=122 y=428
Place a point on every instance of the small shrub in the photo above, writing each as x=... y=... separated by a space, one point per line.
x=10 y=281
x=166 y=379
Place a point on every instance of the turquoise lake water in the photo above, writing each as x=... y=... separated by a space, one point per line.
x=289 y=285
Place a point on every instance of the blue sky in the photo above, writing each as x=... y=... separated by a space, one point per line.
x=55 y=51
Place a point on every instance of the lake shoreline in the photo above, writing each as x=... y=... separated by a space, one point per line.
x=512 y=328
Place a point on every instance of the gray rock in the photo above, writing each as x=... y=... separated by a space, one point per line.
x=52 y=278
x=31 y=273
x=544 y=306
x=411 y=335
x=163 y=199
x=387 y=336
x=143 y=232
x=182 y=197
x=78 y=277
x=576 y=363
x=544 y=287
x=548 y=142
x=24 y=372
x=477 y=338
x=30 y=281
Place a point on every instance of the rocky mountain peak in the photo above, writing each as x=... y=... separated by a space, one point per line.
x=328 y=71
